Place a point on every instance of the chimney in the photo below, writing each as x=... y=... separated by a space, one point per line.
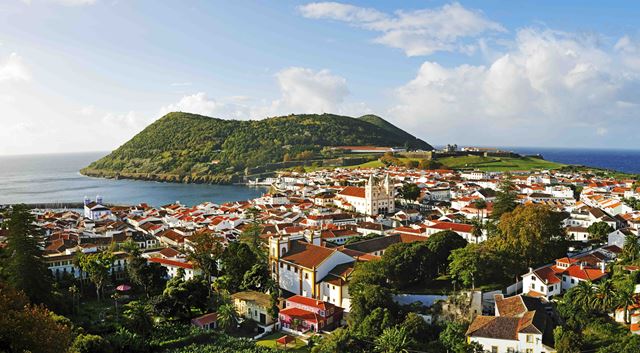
x=530 y=269
x=582 y=265
x=602 y=266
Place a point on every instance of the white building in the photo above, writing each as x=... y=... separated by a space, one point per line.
x=95 y=210
x=373 y=199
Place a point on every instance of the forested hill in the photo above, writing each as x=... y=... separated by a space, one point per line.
x=190 y=147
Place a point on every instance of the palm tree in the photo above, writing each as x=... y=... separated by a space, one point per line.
x=606 y=296
x=227 y=317
x=631 y=248
x=139 y=317
x=478 y=227
x=583 y=295
x=480 y=204
x=625 y=299
x=393 y=339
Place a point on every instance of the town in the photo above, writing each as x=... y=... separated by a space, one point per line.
x=343 y=260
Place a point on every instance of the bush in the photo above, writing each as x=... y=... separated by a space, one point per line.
x=90 y=344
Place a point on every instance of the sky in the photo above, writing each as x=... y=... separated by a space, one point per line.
x=87 y=75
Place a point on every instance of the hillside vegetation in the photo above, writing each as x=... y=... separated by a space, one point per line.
x=194 y=148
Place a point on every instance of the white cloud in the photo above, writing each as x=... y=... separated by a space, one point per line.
x=123 y=120
x=197 y=103
x=307 y=91
x=418 y=32
x=302 y=90
x=543 y=90
x=13 y=69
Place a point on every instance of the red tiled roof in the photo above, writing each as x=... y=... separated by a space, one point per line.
x=173 y=263
x=353 y=191
x=300 y=314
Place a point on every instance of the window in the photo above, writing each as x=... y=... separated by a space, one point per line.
x=295 y=269
x=281 y=265
x=288 y=267
x=533 y=285
x=529 y=338
x=529 y=350
x=306 y=276
x=494 y=349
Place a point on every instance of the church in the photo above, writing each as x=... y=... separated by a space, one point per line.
x=376 y=197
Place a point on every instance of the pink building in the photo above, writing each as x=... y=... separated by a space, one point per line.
x=302 y=314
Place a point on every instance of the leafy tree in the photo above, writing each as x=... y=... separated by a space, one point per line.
x=149 y=276
x=374 y=323
x=599 y=231
x=366 y=298
x=505 y=201
x=392 y=340
x=87 y=343
x=442 y=244
x=567 y=341
x=627 y=344
x=237 y=259
x=454 y=340
x=532 y=234
x=430 y=164
x=29 y=328
x=412 y=164
x=410 y=192
x=97 y=266
x=26 y=268
x=408 y=263
x=256 y=277
x=206 y=252
x=418 y=329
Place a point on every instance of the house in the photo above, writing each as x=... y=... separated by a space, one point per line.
x=564 y=274
x=206 y=321
x=95 y=210
x=298 y=264
x=373 y=199
x=254 y=306
x=520 y=324
x=173 y=266
x=302 y=314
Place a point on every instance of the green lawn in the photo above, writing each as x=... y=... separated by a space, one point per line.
x=270 y=342
x=498 y=164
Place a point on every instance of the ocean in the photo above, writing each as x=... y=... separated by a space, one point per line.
x=627 y=161
x=55 y=178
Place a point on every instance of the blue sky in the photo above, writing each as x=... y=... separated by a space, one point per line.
x=78 y=75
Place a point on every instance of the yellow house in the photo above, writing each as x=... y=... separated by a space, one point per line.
x=254 y=306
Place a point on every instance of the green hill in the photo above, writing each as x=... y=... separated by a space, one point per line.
x=194 y=148
x=381 y=123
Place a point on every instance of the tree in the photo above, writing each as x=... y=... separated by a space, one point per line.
x=237 y=259
x=442 y=244
x=87 y=343
x=410 y=192
x=256 y=278
x=412 y=164
x=567 y=341
x=533 y=234
x=374 y=323
x=366 y=298
x=418 y=329
x=408 y=263
x=477 y=229
x=26 y=268
x=606 y=296
x=625 y=299
x=631 y=248
x=149 y=276
x=138 y=318
x=464 y=264
x=98 y=267
x=206 y=253
x=454 y=340
x=340 y=341
x=392 y=340
x=25 y=327
x=430 y=164
x=227 y=317
x=505 y=201
x=599 y=231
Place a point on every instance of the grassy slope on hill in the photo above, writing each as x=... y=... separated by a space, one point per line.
x=190 y=147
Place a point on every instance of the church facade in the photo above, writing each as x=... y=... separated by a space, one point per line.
x=376 y=197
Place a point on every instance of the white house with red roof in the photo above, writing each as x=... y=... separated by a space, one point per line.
x=174 y=265
x=564 y=274
x=464 y=230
